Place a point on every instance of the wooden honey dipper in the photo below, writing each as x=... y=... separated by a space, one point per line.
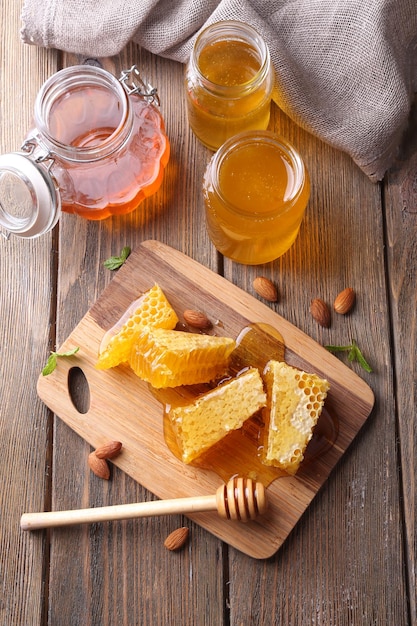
x=239 y=499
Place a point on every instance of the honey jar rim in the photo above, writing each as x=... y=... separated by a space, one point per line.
x=241 y=28
x=256 y=137
x=81 y=75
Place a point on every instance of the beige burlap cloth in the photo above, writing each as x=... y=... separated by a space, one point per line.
x=346 y=69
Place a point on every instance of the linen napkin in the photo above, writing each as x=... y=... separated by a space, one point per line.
x=346 y=70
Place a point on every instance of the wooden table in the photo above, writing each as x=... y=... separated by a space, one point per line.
x=351 y=560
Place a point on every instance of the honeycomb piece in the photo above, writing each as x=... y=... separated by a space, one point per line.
x=200 y=425
x=294 y=402
x=170 y=358
x=152 y=309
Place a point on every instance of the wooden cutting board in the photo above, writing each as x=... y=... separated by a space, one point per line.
x=123 y=408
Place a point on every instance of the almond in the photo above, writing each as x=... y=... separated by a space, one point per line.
x=344 y=301
x=321 y=312
x=177 y=538
x=197 y=319
x=265 y=288
x=99 y=466
x=109 y=450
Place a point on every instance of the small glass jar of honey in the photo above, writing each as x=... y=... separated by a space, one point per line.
x=98 y=148
x=256 y=189
x=228 y=82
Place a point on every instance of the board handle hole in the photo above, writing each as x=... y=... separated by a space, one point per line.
x=79 y=389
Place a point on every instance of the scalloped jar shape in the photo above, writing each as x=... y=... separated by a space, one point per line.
x=98 y=148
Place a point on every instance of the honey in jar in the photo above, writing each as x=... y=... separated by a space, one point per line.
x=229 y=81
x=256 y=189
x=97 y=149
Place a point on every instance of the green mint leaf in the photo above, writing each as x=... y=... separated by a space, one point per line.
x=338 y=348
x=352 y=353
x=362 y=361
x=68 y=353
x=50 y=365
x=355 y=354
x=125 y=252
x=53 y=360
x=114 y=262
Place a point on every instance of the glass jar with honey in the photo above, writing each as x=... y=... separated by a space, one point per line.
x=256 y=189
x=228 y=82
x=98 y=148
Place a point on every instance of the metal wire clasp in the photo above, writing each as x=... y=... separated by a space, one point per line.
x=32 y=149
x=133 y=84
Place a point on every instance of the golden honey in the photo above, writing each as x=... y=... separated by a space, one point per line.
x=256 y=189
x=240 y=452
x=229 y=81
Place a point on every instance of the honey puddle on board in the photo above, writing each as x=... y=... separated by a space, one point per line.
x=239 y=453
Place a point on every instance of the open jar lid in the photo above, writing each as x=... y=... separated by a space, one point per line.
x=29 y=200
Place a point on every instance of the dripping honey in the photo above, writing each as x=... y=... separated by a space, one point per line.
x=239 y=453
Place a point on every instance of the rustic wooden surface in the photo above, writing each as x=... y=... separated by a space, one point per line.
x=351 y=560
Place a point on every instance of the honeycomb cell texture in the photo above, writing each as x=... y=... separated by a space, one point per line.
x=151 y=310
x=200 y=425
x=171 y=358
x=294 y=403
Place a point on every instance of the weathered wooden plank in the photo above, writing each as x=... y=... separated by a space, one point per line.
x=121 y=573
x=338 y=565
x=401 y=218
x=26 y=312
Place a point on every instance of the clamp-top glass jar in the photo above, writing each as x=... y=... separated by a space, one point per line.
x=228 y=81
x=98 y=148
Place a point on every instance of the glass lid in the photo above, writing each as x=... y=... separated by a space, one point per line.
x=29 y=199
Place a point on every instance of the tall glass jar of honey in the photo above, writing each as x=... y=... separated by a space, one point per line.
x=228 y=82
x=97 y=148
x=256 y=189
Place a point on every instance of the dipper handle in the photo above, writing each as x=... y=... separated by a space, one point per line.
x=239 y=499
